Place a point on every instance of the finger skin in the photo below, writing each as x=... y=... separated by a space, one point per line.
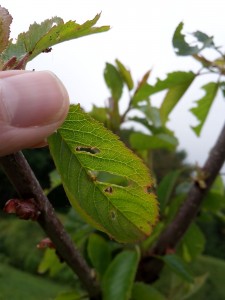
x=32 y=106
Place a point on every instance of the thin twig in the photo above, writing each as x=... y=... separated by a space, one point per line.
x=27 y=186
x=150 y=267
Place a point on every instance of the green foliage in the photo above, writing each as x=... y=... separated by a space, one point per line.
x=41 y=37
x=193 y=243
x=15 y=245
x=166 y=188
x=16 y=285
x=145 y=292
x=125 y=74
x=114 y=81
x=81 y=148
x=177 y=265
x=99 y=252
x=118 y=280
x=202 y=109
x=184 y=48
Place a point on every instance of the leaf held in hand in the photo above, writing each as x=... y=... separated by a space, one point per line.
x=125 y=213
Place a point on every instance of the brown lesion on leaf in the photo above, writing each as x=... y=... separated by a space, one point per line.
x=87 y=149
x=150 y=189
x=92 y=175
x=109 y=190
x=112 y=214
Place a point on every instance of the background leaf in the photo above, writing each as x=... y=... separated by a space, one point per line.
x=114 y=81
x=99 y=253
x=141 y=141
x=118 y=280
x=125 y=74
x=142 y=291
x=81 y=148
x=192 y=243
x=204 y=104
x=182 y=81
x=176 y=264
x=166 y=188
x=180 y=45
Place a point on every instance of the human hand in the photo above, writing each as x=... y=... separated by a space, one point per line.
x=32 y=106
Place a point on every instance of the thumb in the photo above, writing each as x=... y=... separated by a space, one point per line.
x=32 y=106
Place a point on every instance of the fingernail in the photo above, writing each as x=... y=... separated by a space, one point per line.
x=33 y=99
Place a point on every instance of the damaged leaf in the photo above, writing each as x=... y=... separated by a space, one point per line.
x=41 y=37
x=5 y=22
x=125 y=213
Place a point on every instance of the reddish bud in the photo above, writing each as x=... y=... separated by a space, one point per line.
x=24 y=209
x=45 y=243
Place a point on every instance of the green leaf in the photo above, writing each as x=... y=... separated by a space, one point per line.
x=204 y=104
x=141 y=141
x=73 y=295
x=55 y=181
x=99 y=114
x=142 y=291
x=193 y=243
x=50 y=263
x=204 y=39
x=5 y=22
x=183 y=81
x=183 y=48
x=40 y=37
x=176 y=83
x=114 y=81
x=166 y=188
x=176 y=264
x=118 y=279
x=81 y=148
x=125 y=74
x=214 y=201
x=99 y=253
x=142 y=90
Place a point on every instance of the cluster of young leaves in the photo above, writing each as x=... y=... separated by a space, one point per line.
x=152 y=118
x=175 y=84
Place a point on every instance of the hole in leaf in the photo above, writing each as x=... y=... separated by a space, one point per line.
x=88 y=149
x=112 y=215
x=111 y=178
x=109 y=190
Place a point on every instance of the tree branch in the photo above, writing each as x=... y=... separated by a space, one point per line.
x=27 y=186
x=150 y=267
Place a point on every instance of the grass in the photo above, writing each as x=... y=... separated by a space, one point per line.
x=18 y=285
